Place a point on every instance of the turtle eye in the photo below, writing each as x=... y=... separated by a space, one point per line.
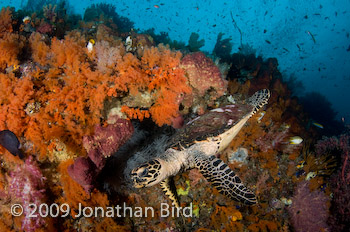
x=143 y=171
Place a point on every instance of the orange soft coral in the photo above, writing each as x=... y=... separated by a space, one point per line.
x=159 y=76
x=62 y=98
x=10 y=48
x=10 y=43
x=135 y=113
x=40 y=50
x=226 y=218
x=14 y=97
x=5 y=21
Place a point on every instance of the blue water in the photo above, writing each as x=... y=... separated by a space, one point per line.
x=320 y=29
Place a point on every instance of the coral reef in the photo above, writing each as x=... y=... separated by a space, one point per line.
x=72 y=99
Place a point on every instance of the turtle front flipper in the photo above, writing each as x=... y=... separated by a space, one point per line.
x=168 y=187
x=224 y=179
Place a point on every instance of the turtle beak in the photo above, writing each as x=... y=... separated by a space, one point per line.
x=137 y=181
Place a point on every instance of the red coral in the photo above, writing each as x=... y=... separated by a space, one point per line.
x=106 y=141
x=340 y=207
x=83 y=171
x=273 y=139
x=177 y=122
x=203 y=74
x=309 y=211
x=339 y=144
x=45 y=28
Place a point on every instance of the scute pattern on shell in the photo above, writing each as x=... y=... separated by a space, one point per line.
x=211 y=124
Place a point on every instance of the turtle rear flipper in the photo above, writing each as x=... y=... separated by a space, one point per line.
x=224 y=179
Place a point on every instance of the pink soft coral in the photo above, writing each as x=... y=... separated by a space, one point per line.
x=27 y=185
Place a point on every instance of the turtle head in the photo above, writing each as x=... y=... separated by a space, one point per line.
x=147 y=174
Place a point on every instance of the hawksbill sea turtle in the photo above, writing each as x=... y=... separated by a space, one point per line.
x=195 y=146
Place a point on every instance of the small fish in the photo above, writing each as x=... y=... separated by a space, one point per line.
x=317 y=125
x=295 y=140
x=26 y=20
x=156 y=6
x=310 y=175
x=286 y=49
x=312 y=36
x=90 y=45
x=11 y=143
x=301 y=164
x=265 y=31
x=262 y=114
x=286 y=201
x=231 y=99
x=267 y=41
x=15 y=67
x=285 y=126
